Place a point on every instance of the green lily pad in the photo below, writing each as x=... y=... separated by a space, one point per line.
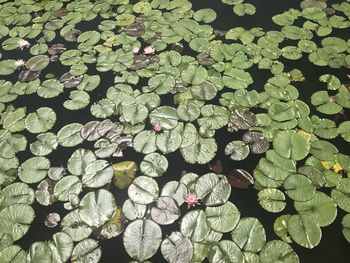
x=143 y=190
x=290 y=144
x=86 y=250
x=96 y=208
x=237 y=150
x=154 y=165
x=176 y=248
x=272 y=200
x=142 y=239
x=213 y=189
x=278 y=250
x=299 y=187
x=16 y=219
x=304 y=230
x=194 y=226
x=40 y=121
x=226 y=251
x=69 y=135
x=165 y=211
x=34 y=170
x=38 y=63
x=222 y=218
x=249 y=234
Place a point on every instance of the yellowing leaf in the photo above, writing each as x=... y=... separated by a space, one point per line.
x=124 y=173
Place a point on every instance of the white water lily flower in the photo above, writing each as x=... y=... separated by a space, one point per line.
x=19 y=63
x=22 y=44
x=135 y=50
x=149 y=50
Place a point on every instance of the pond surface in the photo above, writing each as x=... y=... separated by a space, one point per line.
x=332 y=247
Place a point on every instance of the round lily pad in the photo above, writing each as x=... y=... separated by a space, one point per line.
x=143 y=190
x=142 y=239
x=154 y=165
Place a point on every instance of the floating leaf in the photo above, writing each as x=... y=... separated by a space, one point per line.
x=67 y=186
x=16 y=219
x=165 y=115
x=79 y=160
x=124 y=173
x=321 y=206
x=69 y=135
x=97 y=174
x=44 y=192
x=145 y=142
x=168 y=141
x=38 y=63
x=223 y=218
x=165 y=211
x=290 y=144
x=154 y=165
x=226 y=251
x=213 y=189
x=201 y=151
x=132 y=210
x=280 y=228
x=249 y=234
x=299 y=187
x=277 y=250
x=52 y=220
x=194 y=74
x=7 y=66
x=237 y=150
x=272 y=200
x=96 y=208
x=176 y=248
x=346 y=226
x=142 y=239
x=61 y=246
x=40 y=121
x=237 y=79
x=78 y=99
x=86 y=250
x=143 y=190
x=39 y=252
x=194 y=226
x=75 y=227
x=34 y=170
x=304 y=230
x=239 y=178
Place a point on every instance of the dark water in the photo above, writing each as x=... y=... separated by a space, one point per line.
x=333 y=247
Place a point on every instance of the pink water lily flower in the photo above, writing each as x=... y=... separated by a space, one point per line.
x=157 y=127
x=191 y=199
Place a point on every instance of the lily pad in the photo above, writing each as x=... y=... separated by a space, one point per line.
x=176 y=248
x=278 y=250
x=290 y=144
x=213 y=189
x=34 y=170
x=165 y=211
x=249 y=234
x=272 y=200
x=154 y=165
x=143 y=190
x=222 y=218
x=142 y=239
x=194 y=226
x=96 y=208
x=40 y=121
x=16 y=219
